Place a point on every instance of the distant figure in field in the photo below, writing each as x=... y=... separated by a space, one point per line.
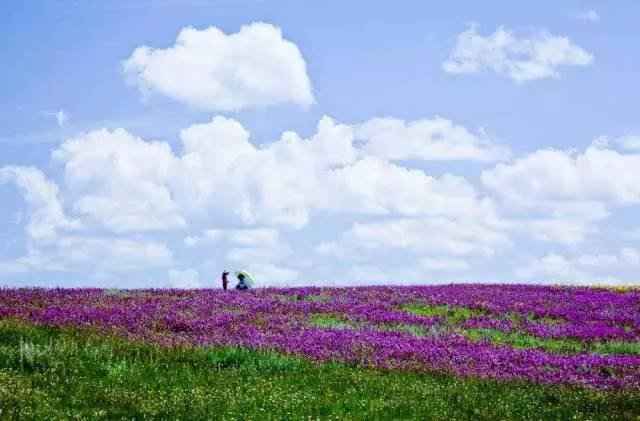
x=244 y=281
x=225 y=280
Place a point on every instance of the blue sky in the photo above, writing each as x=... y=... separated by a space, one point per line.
x=514 y=162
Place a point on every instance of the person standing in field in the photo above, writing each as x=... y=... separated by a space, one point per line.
x=225 y=280
x=244 y=281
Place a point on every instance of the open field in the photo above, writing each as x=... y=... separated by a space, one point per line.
x=443 y=352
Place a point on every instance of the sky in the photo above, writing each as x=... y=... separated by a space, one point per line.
x=155 y=144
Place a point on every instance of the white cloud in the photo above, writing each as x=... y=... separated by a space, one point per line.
x=629 y=142
x=185 y=279
x=553 y=268
x=583 y=268
x=218 y=178
x=426 y=139
x=46 y=214
x=211 y=70
x=626 y=143
x=255 y=248
x=563 y=222
x=559 y=230
x=93 y=254
x=113 y=254
x=243 y=237
x=598 y=175
x=259 y=237
x=127 y=184
x=270 y=185
x=588 y=16
x=426 y=237
x=120 y=181
x=520 y=58
x=564 y=194
x=375 y=186
x=258 y=245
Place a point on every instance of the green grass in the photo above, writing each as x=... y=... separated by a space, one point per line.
x=453 y=315
x=523 y=340
x=405 y=328
x=53 y=374
x=331 y=321
x=317 y=298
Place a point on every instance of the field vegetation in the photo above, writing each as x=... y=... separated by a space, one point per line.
x=450 y=352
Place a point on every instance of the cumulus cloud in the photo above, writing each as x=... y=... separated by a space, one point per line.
x=526 y=58
x=424 y=238
x=120 y=181
x=597 y=175
x=262 y=251
x=375 y=186
x=559 y=230
x=553 y=268
x=211 y=70
x=218 y=177
x=75 y=253
x=436 y=139
x=126 y=184
x=273 y=184
x=46 y=213
x=572 y=191
x=269 y=185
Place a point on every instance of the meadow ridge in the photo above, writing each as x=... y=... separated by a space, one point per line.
x=549 y=335
x=555 y=350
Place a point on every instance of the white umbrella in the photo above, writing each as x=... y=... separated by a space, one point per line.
x=248 y=279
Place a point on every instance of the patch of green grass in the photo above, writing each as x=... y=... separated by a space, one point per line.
x=519 y=318
x=616 y=347
x=547 y=320
x=523 y=340
x=331 y=321
x=453 y=315
x=48 y=373
x=412 y=329
x=317 y=298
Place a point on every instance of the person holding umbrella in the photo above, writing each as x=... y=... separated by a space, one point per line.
x=245 y=281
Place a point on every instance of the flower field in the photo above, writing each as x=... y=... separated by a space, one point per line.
x=584 y=337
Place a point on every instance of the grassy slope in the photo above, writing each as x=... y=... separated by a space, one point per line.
x=52 y=374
